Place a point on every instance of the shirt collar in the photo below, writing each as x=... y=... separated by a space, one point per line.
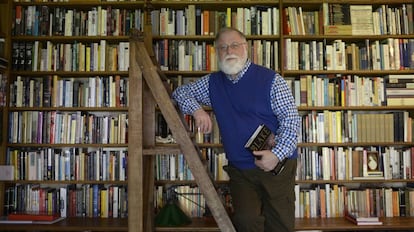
x=241 y=73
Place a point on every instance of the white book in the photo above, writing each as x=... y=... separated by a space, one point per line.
x=328 y=200
x=275 y=21
x=172 y=162
x=240 y=19
x=122 y=164
x=181 y=22
x=103 y=22
x=275 y=55
x=181 y=55
x=67 y=66
x=297 y=202
x=102 y=55
x=171 y=22
x=288 y=54
x=247 y=22
x=93 y=22
x=301 y=24
x=267 y=58
x=126 y=57
x=36 y=56
x=63 y=202
x=115 y=202
x=68 y=23
x=326 y=163
x=265 y=24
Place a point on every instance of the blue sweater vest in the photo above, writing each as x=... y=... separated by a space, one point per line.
x=240 y=108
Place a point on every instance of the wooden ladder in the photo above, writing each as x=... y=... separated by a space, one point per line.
x=146 y=91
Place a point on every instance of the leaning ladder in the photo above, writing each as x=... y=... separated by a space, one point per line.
x=146 y=90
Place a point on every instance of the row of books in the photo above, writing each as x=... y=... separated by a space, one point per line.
x=327 y=127
x=355 y=163
x=60 y=21
x=357 y=127
x=328 y=201
x=337 y=90
x=193 y=20
x=387 y=54
x=187 y=55
x=55 y=91
x=352 y=90
x=213 y=137
x=175 y=167
x=89 y=200
x=55 y=127
x=349 y=19
x=162 y=131
x=60 y=164
x=77 y=56
x=399 y=90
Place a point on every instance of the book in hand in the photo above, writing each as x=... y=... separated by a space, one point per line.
x=361 y=220
x=261 y=139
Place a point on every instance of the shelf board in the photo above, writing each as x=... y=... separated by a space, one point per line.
x=81 y=4
x=70 y=39
x=341 y=224
x=327 y=224
x=74 y=224
x=208 y=224
x=73 y=74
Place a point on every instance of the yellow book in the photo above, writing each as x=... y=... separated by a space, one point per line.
x=104 y=203
x=88 y=59
x=81 y=57
x=338 y=126
x=73 y=131
x=55 y=96
x=228 y=17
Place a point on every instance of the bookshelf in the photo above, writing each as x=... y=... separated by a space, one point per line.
x=4 y=72
x=67 y=111
x=337 y=72
x=273 y=37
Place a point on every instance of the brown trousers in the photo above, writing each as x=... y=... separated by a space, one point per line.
x=262 y=201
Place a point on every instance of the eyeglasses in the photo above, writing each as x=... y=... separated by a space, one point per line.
x=233 y=46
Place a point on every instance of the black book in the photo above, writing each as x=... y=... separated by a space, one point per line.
x=16 y=56
x=261 y=139
x=28 y=56
x=22 y=56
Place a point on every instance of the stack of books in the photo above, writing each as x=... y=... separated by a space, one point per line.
x=359 y=220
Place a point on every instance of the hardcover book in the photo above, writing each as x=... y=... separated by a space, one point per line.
x=261 y=139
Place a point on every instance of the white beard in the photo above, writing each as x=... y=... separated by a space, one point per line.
x=232 y=66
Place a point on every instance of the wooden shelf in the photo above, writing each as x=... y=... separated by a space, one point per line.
x=73 y=224
x=208 y=224
x=328 y=224
x=341 y=224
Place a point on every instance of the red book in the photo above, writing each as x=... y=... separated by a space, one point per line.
x=32 y=217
